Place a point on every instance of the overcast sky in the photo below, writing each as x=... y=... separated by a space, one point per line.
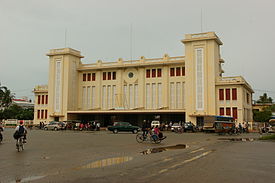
x=100 y=29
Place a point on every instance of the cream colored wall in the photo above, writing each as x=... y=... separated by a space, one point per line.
x=209 y=42
x=72 y=84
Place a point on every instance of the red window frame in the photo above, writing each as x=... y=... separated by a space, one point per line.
x=114 y=75
x=89 y=76
x=46 y=102
x=42 y=114
x=46 y=114
x=153 y=73
x=183 y=71
x=228 y=111
x=93 y=76
x=38 y=102
x=221 y=94
x=159 y=72
x=148 y=73
x=221 y=111
x=234 y=93
x=43 y=99
x=172 y=71
x=227 y=94
x=178 y=71
x=235 y=112
x=84 y=77
x=38 y=114
x=109 y=75
x=104 y=75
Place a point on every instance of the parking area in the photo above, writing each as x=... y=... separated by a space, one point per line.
x=69 y=156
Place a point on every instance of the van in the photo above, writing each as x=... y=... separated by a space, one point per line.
x=155 y=123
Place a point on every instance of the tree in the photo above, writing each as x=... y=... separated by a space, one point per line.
x=262 y=116
x=264 y=99
x=5 y=97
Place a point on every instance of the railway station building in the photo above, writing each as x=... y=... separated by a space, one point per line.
x=169 y=89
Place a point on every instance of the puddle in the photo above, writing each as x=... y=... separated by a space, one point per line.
x=106 y=162
x=161 y=149
x=27 y=179
x=238 y=139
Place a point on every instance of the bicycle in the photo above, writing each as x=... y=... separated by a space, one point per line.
x=153 y=138
x=20 y=144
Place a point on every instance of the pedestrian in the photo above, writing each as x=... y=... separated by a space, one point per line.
x=97 y=126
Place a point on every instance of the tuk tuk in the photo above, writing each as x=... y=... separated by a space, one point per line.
x=223 y=127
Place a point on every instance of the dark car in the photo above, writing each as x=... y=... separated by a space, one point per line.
x=188 y=126
x=123 y=127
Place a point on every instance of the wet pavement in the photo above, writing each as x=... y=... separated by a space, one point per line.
x=68 y=156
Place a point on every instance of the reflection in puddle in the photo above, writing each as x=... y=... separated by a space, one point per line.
x=28 y=179
x=237 y=139
x=106 y=162
x=161 y=149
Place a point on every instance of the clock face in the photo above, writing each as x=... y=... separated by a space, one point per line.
x=130 y=74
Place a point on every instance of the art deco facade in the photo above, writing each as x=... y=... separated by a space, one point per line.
x=183 y=88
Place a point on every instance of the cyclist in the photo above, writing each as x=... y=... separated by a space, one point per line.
x=145 y=128
x=20 y=130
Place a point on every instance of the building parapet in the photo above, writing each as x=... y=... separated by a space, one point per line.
x=64 y=51
x=40 y=88
x=234 y=80
x=128 y=63
x=202 y=36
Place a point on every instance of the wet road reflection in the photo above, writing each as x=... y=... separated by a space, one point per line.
x=106 y=162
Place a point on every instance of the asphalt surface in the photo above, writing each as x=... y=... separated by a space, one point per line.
x=68 y=156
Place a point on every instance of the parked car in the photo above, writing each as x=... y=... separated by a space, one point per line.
x=155 y=123
x=123 y=127
x=175 y=126
x=189 y=126
x=55 y=125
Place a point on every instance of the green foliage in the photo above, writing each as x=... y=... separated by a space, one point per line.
x=262 y=116
x=264 y=99
x=268 y=137
x=5 y=96
x=16 y=112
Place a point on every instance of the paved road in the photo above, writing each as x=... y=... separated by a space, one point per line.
x=67 y=156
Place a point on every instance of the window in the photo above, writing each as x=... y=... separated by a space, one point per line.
x=235 y=112
x=159 y=72
x=221 y=111
x=227 y=94
x=38 y=114
x=183 y=71
x=178 y=71
x=46 y=102
x=114 y=75
x=247 y=98
x=38 y=99
x=172 y=71
x=109 y=75
x=43 y=99
x=42 y=114
x=89 y=76
x=228 y=112
x=234 y=93
x=104 y=75
x=153 y=73
x=148 y=73
x=84 y=77
x=93 y=76
x=221 y=94
x=46 y=114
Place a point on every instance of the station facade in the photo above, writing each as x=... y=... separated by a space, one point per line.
x=169 y=89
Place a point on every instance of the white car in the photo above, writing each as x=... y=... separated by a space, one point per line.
x=155 y=123
x=175 y=126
